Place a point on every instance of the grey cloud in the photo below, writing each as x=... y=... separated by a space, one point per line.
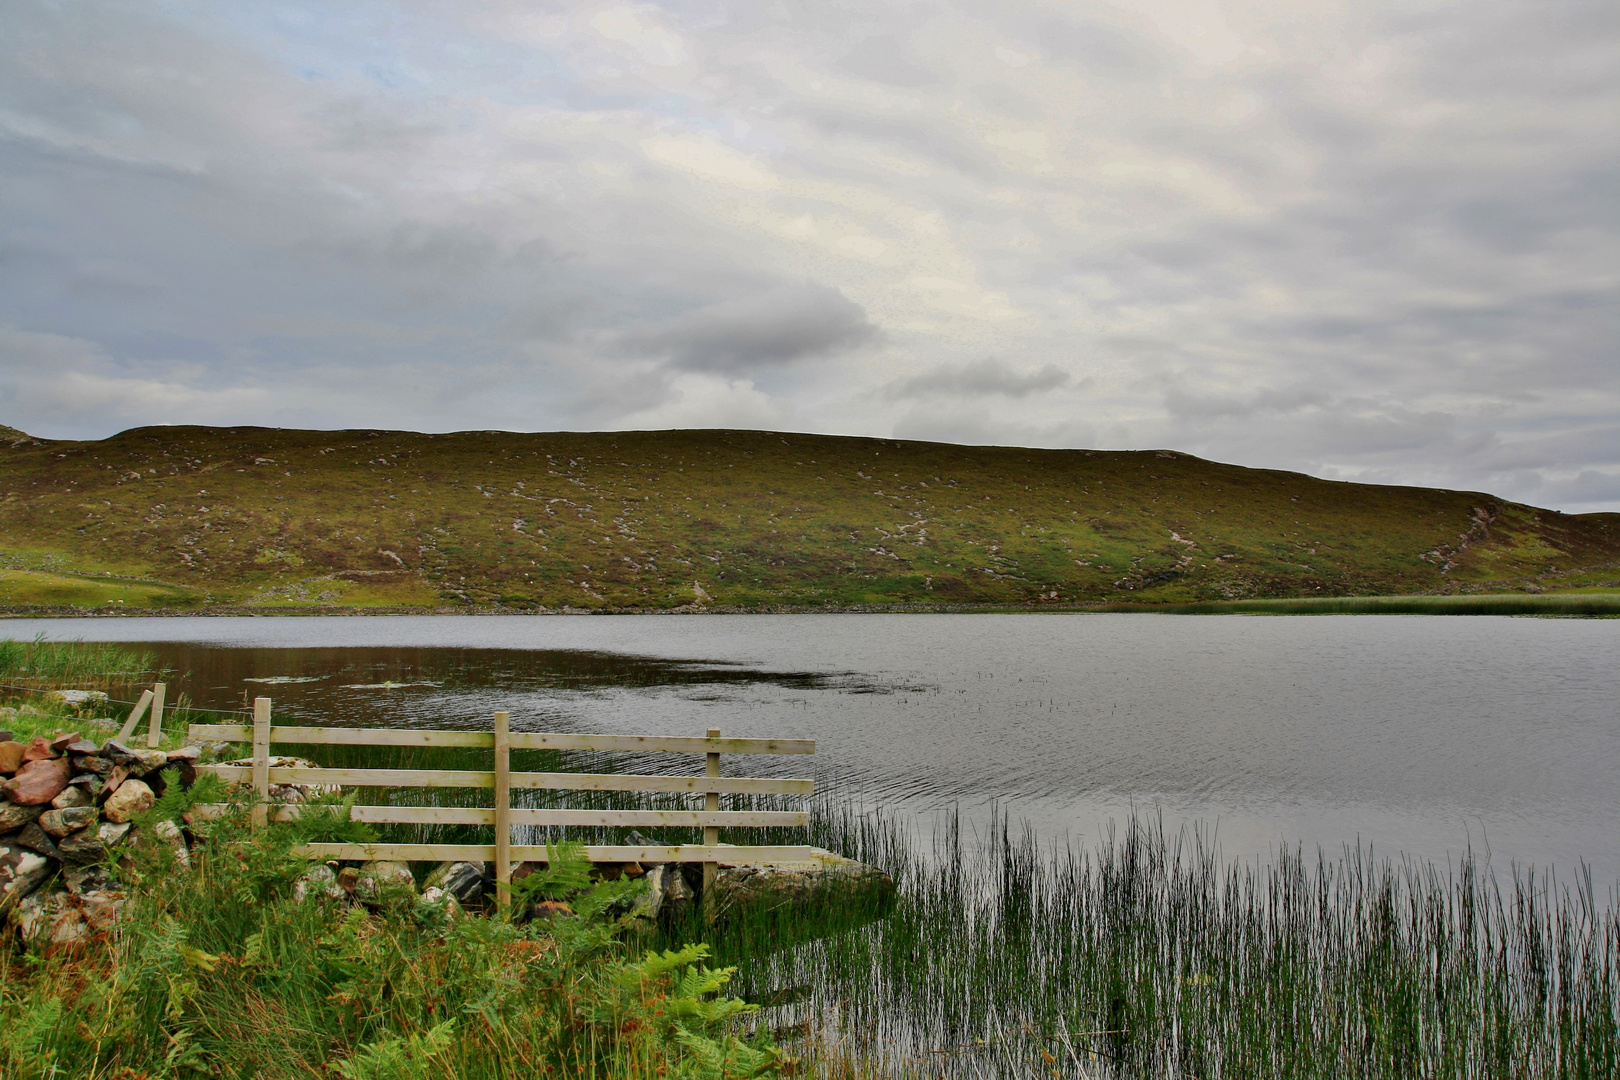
x=883 y=59
x=978 y=378
x=770 y=329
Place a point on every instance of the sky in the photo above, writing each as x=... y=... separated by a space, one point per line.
x=1369 y=240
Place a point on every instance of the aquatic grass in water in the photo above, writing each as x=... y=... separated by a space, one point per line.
x=1152 y=956
x=76 y=663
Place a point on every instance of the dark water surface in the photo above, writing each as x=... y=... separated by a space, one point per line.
x=1419 y=734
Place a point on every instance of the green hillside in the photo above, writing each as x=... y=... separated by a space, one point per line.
x=192 y=517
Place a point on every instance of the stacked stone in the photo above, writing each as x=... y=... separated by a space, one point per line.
x=66 y=810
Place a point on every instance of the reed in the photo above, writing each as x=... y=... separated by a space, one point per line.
x=1153 y=956
x=71 y=663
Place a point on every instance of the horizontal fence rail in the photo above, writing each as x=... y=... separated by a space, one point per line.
x=261 y=775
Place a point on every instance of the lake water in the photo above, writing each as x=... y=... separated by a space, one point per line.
x=1417 y=734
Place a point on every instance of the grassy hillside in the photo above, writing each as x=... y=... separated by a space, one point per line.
x=188 y=517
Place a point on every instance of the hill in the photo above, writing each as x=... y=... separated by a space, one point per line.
x=197 y=517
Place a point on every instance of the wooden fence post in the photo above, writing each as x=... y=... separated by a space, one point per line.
x=503 y=811
x=711 y=833
x=135 y=715
x=154 y=730
x=261 y=760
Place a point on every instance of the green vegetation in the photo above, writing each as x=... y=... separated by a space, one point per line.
x=1154 y=957
x=222 y=972
x=1601 y=604
x=192 y=518
x=70 y=663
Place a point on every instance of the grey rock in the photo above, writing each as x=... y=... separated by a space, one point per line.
x=21 y=872
x=14 y=816
x=319 y=880
x=79 y=697
x=131 y=798
x=118 y=753
x=148 y=761
x=83 y=879
x=112 y=834
x=76 y=794
x=34 y=839
x=93 y=763
x=82 y=848
x=834 y=880
x=82 y=746
x=48 y=919
x=67 y=820
x=382 y=877
x=462 y=880
x=102 y=909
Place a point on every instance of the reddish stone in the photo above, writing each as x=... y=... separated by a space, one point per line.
x=62 y=742
x=39 y=750
x=38 y=782
x=11 y=756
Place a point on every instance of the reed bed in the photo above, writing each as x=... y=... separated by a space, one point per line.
x=1152 y=956
x=71 y=663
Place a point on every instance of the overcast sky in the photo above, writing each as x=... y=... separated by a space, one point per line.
x=1367 y=240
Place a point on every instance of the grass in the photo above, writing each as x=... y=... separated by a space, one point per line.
x=75 y=664
x=1153 y=957
x=221 y=972
x=243 y=519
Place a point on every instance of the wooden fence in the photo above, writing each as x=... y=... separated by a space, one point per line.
x=502 y=815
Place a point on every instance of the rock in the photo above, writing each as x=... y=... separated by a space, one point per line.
x=167 y=832
x=102 y=909
x=294 y=794
x=34 y=839
x=53 y=919
x=82 y=848
x=114 y=780
x=117 y=753
x=38 y=750
x=834 y=881
x=82 y=879
x=93 y=763
x=60 y=744
x=382 y=877
x=348 y=879
x=111 y=835
x=632 y=870
x=185 y=761
x=318 y=880
x=677 y=894
x=147 y=761
x=14 y=816
x=68 y=820
x=79 y=697
x=21 y=872
x=83 y=747
x=11 y=755
x=132 y=797
x=7 y=736
x=550 y=909
x=74 y=795
x=38 y=782
x=462 y=880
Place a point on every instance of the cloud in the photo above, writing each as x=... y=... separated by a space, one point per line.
x=767 y=330
x=978 y=378
x=1366 y=239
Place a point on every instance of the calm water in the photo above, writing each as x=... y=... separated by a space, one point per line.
x=1417 y=734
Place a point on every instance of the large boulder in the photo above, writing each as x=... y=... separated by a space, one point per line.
x=38 y=782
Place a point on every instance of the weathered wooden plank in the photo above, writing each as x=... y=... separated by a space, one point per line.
x=462 y=778
x=154 y=718
x=135 y=715
x=474 y=815
x=521 y=740
x=503 y=811
x=739 y=854
x=261 y=757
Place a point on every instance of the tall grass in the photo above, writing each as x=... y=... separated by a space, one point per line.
x=76 y=663
x=1152 y=956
